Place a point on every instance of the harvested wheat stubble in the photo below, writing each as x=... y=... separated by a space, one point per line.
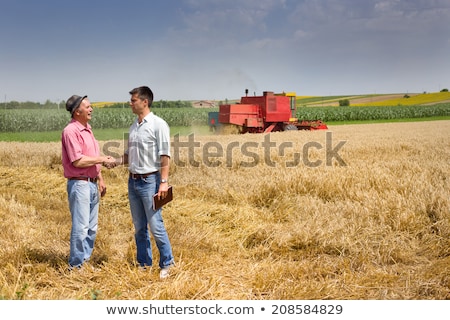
x=376 y=227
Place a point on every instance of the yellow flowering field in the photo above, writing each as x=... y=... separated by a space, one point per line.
x=102 y=104
x=414 y=99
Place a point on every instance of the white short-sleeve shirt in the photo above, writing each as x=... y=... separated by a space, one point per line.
x=147 y=142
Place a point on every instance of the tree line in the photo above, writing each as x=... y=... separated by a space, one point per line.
x=157 y=104
x=62 y=105
x=32 y=105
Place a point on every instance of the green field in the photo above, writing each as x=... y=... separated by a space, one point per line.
x=111 y=124
x=100 y=134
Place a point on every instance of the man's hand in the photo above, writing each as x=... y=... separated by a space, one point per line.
x=109 y=162
x=163 y=190
x=102 y=190
x=101 y=186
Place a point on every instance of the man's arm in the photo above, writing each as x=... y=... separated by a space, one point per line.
x=87 y=161
x=122 y=160
x=164 y=186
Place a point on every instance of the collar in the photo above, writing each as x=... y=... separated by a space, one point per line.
x=80 y=126
x=145 y=119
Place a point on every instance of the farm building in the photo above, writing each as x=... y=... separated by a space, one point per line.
x=204 y=104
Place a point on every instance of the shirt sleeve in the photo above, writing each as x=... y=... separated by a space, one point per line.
x=72 y=144
x=163 y=139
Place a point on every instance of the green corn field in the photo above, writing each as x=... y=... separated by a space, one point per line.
x=337 y=114
x=36 y=120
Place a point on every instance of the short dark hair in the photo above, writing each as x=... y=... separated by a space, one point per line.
x=144 y=93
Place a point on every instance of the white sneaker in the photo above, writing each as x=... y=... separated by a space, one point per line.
x=164 y=273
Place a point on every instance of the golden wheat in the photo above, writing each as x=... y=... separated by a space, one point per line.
x=374 y=227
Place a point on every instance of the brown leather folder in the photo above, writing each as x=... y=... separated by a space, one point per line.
x=158 y=203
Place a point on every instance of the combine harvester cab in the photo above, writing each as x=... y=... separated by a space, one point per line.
x=257 y=114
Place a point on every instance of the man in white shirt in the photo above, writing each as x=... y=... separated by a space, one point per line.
x=148 y=156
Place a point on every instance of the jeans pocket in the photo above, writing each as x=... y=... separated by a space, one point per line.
x=150 y=179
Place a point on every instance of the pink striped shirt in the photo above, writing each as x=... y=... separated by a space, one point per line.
x=78 y=141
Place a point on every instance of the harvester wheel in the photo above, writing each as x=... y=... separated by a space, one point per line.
x=290 y=127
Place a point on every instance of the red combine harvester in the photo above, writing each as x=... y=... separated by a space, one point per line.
x=267 y=113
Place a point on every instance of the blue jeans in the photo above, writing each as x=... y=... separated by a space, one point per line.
x=140 y=195
x=83 y=204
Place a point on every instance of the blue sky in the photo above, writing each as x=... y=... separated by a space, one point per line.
x=200 y=49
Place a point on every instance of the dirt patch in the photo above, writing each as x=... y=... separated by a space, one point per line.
x=431 y=103
x=379 y=98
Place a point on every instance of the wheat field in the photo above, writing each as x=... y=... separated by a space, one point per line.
x=371 y=221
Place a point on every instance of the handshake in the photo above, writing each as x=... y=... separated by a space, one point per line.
x=110 y=162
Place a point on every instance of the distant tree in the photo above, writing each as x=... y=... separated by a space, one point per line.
x=171 y=104
x=156 y=104
x=50 y=105
x=13 y=104
x=444 y=90
x=344 y=103
x=30 y=105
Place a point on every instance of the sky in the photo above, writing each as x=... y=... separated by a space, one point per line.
x=215 y=49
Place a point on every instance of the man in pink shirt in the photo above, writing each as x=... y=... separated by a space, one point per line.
x=82 y=163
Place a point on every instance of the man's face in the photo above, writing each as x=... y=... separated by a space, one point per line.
x=137 y=104
x=84 y=111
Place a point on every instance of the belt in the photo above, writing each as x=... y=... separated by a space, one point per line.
x=141 y=176
x=94 y=180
